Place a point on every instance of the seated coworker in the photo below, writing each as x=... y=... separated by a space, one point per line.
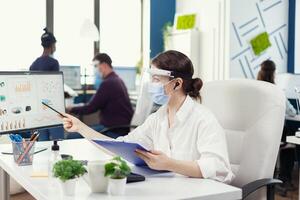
x=183 y=135
x=46 y=62
x=267 y=73
x=111 y=97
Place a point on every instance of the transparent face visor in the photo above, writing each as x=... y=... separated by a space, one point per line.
x=159 y=75
x=154 y=75
x=95 y=63
x=151 y=75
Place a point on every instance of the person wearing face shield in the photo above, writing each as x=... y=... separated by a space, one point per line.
x=46 y=62
x=111 y=98
x=183 y=136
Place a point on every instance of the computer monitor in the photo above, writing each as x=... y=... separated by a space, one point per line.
x=21 y=97
x=128 y=75
x=71 y=76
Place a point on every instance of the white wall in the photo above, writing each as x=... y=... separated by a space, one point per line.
x=226 y=53
x=214 y=36
x=248 y=19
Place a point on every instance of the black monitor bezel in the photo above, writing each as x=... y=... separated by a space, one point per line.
x=33 y=73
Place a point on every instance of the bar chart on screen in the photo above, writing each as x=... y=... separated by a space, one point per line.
x=23 y=86
x=13 y=124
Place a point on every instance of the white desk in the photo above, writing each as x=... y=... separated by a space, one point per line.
x=159 y=187
x=294 y=140
x=296 y=118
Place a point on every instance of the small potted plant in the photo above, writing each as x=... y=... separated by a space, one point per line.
x=68 y=171
x=117 y=170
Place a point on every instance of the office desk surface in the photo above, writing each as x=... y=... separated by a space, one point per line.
x=296 y=118
x=155 y=187
x=293 y=140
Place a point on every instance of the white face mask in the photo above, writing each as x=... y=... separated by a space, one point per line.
x=97 y=72
x=98 y=78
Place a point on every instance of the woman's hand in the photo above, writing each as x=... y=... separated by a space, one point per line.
x=71 y=124
x=155 y=159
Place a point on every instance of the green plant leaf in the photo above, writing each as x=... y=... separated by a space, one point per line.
x=117 y=168
x=68 y=169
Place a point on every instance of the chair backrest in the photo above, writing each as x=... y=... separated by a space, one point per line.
x=252 y=114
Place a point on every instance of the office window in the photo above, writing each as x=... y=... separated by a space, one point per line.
x=72 y=48
x=120 y=31
x=21 y=26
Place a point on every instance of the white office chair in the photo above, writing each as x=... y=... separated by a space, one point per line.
x=252 y=114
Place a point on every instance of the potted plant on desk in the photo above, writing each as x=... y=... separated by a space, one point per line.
x=68 y=171
x=117 y=170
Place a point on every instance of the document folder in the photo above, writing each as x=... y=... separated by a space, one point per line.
x=124 y=149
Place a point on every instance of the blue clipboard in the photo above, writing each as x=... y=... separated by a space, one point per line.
x=124 y=149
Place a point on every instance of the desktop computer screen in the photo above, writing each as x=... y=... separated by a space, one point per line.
x=72 y=76
x=21 y=97
x=128 y=75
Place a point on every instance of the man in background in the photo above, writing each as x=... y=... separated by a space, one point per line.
x=111 y=98
x=46 y=62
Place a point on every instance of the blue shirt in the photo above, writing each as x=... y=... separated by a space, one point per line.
x=45 y=63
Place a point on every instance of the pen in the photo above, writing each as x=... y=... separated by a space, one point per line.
x=15 y=138
x=33 y=136
x=24 y=147
x=53 y=109
x=27 y=149
x=18 y=140
x=39 y=151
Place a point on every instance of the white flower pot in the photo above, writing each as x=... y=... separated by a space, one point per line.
x=68 y=187
x=116 y=186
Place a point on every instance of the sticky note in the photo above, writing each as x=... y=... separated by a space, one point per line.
x=186 y=21
x=260 y=43
x=36 y=174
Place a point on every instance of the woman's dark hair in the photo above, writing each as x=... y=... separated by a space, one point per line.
x=47 y=38
x=267 y=71
x=182 y=65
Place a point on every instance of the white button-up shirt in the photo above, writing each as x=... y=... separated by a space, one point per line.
x=195 y=136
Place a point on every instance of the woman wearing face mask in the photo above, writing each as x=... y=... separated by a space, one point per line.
x=184 y=136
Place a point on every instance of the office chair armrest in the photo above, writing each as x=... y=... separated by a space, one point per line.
x=255 y=185
x=110 y=129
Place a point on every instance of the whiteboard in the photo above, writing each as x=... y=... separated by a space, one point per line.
x=21 y=97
